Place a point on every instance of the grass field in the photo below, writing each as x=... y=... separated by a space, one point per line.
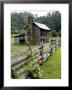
x=16 y=47
x=19 y=47
x=52 y=66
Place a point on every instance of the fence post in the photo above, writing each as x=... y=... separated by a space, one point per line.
x=41 y=53
x=29 y=50
x=52 y=45
x=41 y=50
x=55 y=44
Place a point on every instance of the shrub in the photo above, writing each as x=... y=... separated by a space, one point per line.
x=54 y=33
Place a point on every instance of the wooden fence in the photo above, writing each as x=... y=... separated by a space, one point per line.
x=18 y=65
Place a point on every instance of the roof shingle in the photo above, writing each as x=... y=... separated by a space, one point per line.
x=42 y=26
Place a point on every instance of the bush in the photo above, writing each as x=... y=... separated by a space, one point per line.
x=54 y=33
x=13 y=74
x=33 y=70
x=59 y=33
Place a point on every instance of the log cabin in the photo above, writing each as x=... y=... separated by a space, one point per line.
x=33 y=33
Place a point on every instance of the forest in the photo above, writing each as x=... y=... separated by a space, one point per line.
x=52 y=20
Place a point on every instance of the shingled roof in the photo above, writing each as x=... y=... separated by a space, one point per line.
x=42 y=26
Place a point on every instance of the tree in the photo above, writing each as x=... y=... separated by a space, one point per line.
x=54 y=33
x=19 y=20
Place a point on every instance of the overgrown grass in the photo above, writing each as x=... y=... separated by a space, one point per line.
x=55 y=38
x=16 y=47
x=52 y=66
x=19 y=47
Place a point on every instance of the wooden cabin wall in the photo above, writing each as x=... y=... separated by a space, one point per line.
x=37 y=35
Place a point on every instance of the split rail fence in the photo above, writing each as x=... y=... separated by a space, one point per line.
x=40 y=54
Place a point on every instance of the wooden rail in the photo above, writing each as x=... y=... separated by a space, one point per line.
x=18 y=65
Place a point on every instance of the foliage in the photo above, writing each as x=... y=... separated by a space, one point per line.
x=54 y=33
x=19 y=20
x=33 y=69
x=52 y=20
x=59 y=34
x=13 y=74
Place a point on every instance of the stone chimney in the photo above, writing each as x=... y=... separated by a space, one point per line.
x=30 y=29
x=30 y=20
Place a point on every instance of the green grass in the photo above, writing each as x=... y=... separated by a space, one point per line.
x=19 y=47
x=55 y=38
x=52 y=66
x=16 y=47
